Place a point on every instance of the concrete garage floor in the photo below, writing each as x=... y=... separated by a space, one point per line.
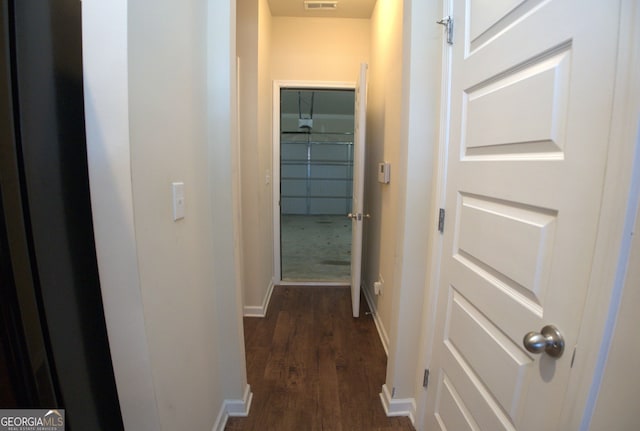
x=315 y=248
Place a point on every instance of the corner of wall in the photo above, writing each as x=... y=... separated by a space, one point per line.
x=382 y=333
x=106 y=90
x=414 y=201
x=397 y=406
x=233 y=408
x=260 y=310
x=254 y=21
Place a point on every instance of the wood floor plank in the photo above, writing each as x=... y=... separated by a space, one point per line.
x=312 y=366
x=276 y=362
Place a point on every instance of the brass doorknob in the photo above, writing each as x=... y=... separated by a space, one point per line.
x=358 y=216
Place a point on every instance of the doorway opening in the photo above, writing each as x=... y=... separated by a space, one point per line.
x=315 y=170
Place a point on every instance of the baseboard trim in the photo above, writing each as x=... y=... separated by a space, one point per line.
x=221 y=420
x=384 y=338
x=315 y=283
x=234 y=408
x=240 y=408
x=259 y=310
x=398 y=406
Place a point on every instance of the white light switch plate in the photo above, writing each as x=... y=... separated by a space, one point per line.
x=384 y=172
x=178 y=200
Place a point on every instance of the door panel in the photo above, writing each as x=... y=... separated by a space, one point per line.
x=508 y=242
x=357 y=207
x=457 y=416
x=481 y=411
x=531 y=86
x=488 y=19
x=485 y=14
x=533 y=100
x=494 y=358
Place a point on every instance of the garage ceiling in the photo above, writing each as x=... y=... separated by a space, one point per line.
x=325 y=102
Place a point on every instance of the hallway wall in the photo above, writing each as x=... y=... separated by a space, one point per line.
x=154 y=86
x=280 y=48
x=320 y=49
x=403 y=85
x=616 y=405
x=168 y=133
x=253 y=45
x=384 y=113
x=403 y=129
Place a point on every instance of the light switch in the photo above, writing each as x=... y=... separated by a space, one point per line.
x=178 y=200
x=384 y=172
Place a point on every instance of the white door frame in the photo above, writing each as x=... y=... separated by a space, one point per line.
x=277 y=86
x=430 y=301
x=615 y=228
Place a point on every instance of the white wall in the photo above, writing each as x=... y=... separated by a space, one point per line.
x=384 y=122
x=247 y=51
x=168 y=138
x=106 y=90
x=417 y=203
x=617 y=402
x=154 y=89
x=223 y=179
x=403 y=128
x=320 y=49
x=253 y=44
x=616 y=387
x=265 y=90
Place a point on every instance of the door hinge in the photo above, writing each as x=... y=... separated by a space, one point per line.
x=425 y=378
x=447 y=21
x=441 y=220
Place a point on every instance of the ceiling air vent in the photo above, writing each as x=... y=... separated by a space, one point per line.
x=320 y=5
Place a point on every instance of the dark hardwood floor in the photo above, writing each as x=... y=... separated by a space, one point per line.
x=312 y=366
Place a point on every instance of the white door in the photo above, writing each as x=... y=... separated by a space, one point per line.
x=531 y=93
x=357 y=210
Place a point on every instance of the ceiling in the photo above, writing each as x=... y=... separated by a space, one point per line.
x=346 y=9
x=325 y=102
